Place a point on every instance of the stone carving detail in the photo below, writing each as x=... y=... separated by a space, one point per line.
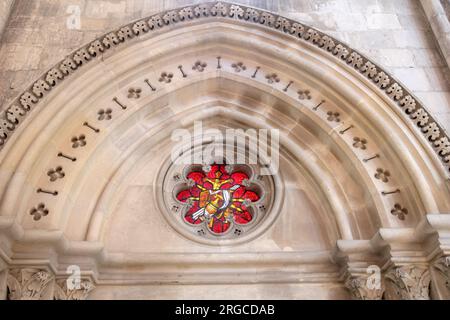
x=199 y=66
x=79 y=141
x=28 y=284
x=382 y=175
x=55 y=174
x=104 y=114
x=155 y=22
x=96 y=48
x=272 y=78
x=304 y=94
x=382 y=80
x=134 y=93
x=395 y=91
x=166 y=77
x=360 y=143
x=225 y=10
x=63 y=292
x=443 y=266
x=333 y=116
x=399 y=211
x=140 y=27
x=369 y=69
x=408 y=283
x=360 y=289
x=39 y=212
x=355 y=60
x=238 y=67
x=14 y=114
x=110 y=40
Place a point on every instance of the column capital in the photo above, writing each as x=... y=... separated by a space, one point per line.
x=67 y=289
x=408 y=282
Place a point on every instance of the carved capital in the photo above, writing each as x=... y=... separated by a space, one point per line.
x=408 y=283
x=29 y=284
x=72 y=290
x=364 y=288
x=443 y=266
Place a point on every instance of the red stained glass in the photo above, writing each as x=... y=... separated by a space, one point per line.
x=218 y=198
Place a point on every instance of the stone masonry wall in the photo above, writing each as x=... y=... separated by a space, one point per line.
x=394 y=33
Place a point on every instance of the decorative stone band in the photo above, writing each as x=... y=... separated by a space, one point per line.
x=15 y=113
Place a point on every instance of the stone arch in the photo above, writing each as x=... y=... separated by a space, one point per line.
x=369 y=155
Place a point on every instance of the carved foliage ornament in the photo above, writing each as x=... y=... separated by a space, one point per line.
x=360 y=289
x=28 y=284
x=40 y=284
x=218 y=198
x=408 y=283
x=420 y=117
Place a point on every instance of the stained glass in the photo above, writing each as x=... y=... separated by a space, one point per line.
x=218 y=198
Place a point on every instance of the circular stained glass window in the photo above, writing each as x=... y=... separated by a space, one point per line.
x=218 y=201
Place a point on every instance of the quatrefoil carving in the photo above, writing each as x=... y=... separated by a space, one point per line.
x=55 y=174
x=272 y=78
x=104 y=114
x=199 y=66
x=166 y=77
x=238 y=67
x=360 y=143
x=333 y=116
x=399 y=211
x=304 y=94
x=79 y=141
x=134 y=93
x=382 y=175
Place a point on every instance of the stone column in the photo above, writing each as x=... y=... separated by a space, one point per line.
x=5 y=10
x=439 y=24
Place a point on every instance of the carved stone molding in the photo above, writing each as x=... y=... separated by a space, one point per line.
x=73 y=291
x=14 y=115
x=363 y=288
x=443 y=266
x=408 y=283
x=29 y=284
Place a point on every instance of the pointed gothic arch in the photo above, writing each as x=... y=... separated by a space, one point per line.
x=368 y=162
